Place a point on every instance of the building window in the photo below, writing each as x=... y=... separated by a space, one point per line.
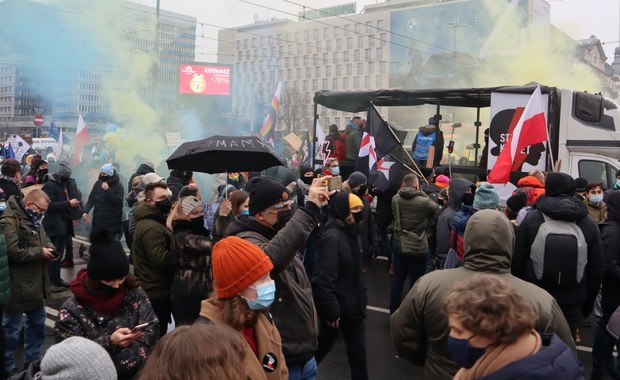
x=356 y=55
x=339 y=44
x=345 y=83
x=379 y=82
x=349 y=69
x=383 y=41
x=335 y=84
x=368 y=27
x=360 y=42
x=338 y=70
x=328 y=44
x=349 y=43
x=325 y=33
x=360 y=68
x=315 y=59
x=345 y=56
x=308 y=72
x=305 y=86
x=328 y=71
x=367 y=81
x=335 y=56
x=315 y=85
x=379 y=53
x=298 y=73
x=318 y=71
x=316 y=33
x=358 y=28
x=309 y=48
x=371 y=67
x=324 y=83
x=306 y=35
x=371 y=40
x=367 y=55
x=380 y=24
x=325 y=58
x=289 y=74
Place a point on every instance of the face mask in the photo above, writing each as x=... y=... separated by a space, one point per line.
x=2 y=206
x=463 y=353
x=468 y=199
x=198 y=222
x=358 y=217
x=266 y=295
x=245 y=212
x=164 y=205
x=307 y=180
x=362 y=190
x=36 y=217
x=335 y=170
x=596 y=198
x=283 y=218
x=108 y=290
x=42 y=172
x=104 y=178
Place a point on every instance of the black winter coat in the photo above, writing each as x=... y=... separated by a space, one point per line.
x=383 y=213
x=9 y=186
x=569 y=209
x=142 y=170
x=59 y=216
x=610 y=236
x=191 y=251
x=175 y=182
x=337 y=285
x=107 y=204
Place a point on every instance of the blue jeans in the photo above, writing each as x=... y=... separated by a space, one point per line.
x=306 y=371
x=403 y=267
x=34 y=335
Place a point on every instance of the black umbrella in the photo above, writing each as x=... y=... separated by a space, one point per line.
x=224 y=154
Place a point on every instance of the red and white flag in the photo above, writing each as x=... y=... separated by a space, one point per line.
x=82 y=137
x=531 y=129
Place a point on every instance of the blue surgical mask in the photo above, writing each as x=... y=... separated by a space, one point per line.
x=596 y=198
x=463 y=353
x=245 y=211
x=335 y=170
x=2 y=206
x=266 y=295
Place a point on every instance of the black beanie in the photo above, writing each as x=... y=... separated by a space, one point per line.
x=517 y=201
x=265 y=192
x=339 y=205
x=557 y=184
x=108 y=260
x=305 y=169
x=581 y=184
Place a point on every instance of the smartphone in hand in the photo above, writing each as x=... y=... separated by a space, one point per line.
x=143 y=326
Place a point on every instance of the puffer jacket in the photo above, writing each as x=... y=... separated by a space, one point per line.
x=151 y=251
x=107 y=204
x=191 y=252
x=293 y=311
x=459 y=222
x=457 y=189
x=338 y=285
x=569 y=209
x=354 y=139
x=420 y=328
x=27 y=265
x=76 y=319
x=554 y=361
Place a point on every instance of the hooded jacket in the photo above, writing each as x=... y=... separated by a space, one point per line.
x=151 y=251
x=457 y=189
x=610 y=236
x=533 y=182
x=107 y=204
x=176 y=181
x=554 y=361
x=354 y=139
x=27 y=265
x=58 y=218
x=419 y=327
x=293 y=310
x=571 y=209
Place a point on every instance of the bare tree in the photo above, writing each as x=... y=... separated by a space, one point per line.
x=293 y=111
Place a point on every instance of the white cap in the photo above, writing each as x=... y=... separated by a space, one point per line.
x=151 y=178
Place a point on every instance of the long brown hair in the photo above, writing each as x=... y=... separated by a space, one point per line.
x=196 y=352
x=236 y=200
x=235 y=312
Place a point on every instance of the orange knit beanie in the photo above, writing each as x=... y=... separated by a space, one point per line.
x=236 y=264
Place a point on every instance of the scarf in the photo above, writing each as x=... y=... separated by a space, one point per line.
x=2 y=176
x=497 y=357
x=102 y=304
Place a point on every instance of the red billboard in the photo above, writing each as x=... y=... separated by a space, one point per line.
x=204 y=79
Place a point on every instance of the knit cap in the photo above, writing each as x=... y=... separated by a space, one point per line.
x=580 y=184
x=77 y=358
x=486 y=197
x=108 y=260
x=64 y=169
x=189 y=204
x=557 y=184
x=107 y=169
x=236 y=264
x=442 y=181
x=265 y=192
x=356 y=179
x=341 y=203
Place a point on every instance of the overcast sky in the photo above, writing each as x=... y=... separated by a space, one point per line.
x=578 y=18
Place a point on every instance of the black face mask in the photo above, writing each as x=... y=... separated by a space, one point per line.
x=64 y=179
x=307 y=180
x=109 y=290
x=358 y=217
x=198 y=222
x=164 y=205
x=362 y=190
x=104 y=178
x=468 y=199
x=41 y=172
x=283 y=218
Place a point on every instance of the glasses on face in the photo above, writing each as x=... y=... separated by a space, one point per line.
x=41 y=209
x=282 y=206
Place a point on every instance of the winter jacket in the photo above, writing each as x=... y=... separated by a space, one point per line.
x=598 y=212
x=534 y=183
x=368 y=236
x=58 y=218
x=383 y=213
x=354 y=139
x=76 y=319
x=220 y=225
x=334 y=147
x=175 y=182
x=142 y=170
x=107 y=204
x=568 y=209
x=457 y=189
x=5 y=278
x=554 y=361
x=610 y=237
x=293 y=311
x=268 y=342
x=191 y=252
x=416 y=210
x=27 y=265
x=151 y=251
x=459 y=222
x=9 y=186
x=338 y=285
x=420 y=328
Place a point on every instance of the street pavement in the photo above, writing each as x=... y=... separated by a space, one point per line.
x=383 y=363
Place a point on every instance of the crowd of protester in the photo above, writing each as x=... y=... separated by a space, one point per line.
x=480 y=289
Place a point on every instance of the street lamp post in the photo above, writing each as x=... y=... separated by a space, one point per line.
x=455 y=24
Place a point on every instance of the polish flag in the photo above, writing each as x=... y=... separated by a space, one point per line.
x=531 y=129
x=82 y=137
